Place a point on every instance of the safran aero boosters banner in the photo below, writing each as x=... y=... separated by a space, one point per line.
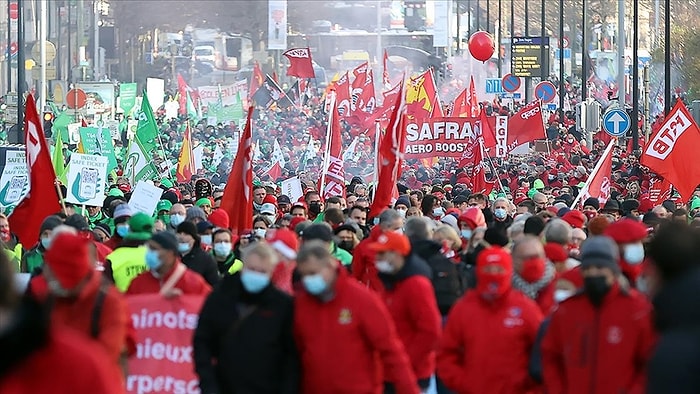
x=440 y=137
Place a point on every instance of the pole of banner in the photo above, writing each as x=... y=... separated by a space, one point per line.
x=60 y=194
x=606 y=152
x=493 y=167
x=377 y=134
x=327 y=153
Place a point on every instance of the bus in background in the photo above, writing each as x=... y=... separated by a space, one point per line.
x=231 y=52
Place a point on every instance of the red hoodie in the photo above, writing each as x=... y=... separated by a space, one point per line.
x=363 y=268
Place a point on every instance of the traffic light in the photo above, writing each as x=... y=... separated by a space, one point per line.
x=48 y=124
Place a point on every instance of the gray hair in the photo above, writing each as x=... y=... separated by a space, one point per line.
x=557 y=231
x=419 y=228
x=260 y=249
x=388 y=216
x=516 y=229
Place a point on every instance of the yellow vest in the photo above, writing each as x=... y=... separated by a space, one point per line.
x=127 y=263
x=235 y=267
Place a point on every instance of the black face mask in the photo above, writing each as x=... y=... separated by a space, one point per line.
x=346 y=245
x=596 y=287
x=315 y=208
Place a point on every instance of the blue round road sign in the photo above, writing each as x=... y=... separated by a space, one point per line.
x=510 y=83
x=545 y=91
x=616 y=122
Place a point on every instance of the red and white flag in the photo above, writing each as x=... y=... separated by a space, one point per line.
x=183 y=88
x=333 y=175
x=525 y=126
x=390 y=156
x=598 y=184
x=300 y=64
x=343 y=99
x=385 y=71
x=277 y=162
x=459 y=107
x=472 y=102
x=185 y=162
x=237 y=200
x=42 y=199
x=672 y=151
x=660 y=189
x=256 y=80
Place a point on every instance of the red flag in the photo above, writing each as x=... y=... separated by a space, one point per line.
x=256 y=80
x=343 y=100
x=277 y=159
x=333 y=176
x=599 y=181
x=357 y=86
x=83 y=123
x=671 y=152
x=487 y=133
x=182 y=89
x=185 y=162
x=660 y=189
x=478 y=175
x=526 y=125
x=390 y=153
x=421 y=97
x=472 y=103
x=459 y=107
x=385 y=70
x=237 y=200
x=42 y=199
x=300 y=64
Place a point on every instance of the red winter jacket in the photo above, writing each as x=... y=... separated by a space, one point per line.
x=598 y=350
x=190 y=283
x=349 y=344
x=410 y=298
x=363 y=268
x=485 y=347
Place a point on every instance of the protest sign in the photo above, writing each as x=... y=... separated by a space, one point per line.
x=164 y=327
x=210 y=94
x=87 y=177
x=127 y=95
x=155 y=92
x=73 y=133
x=440 y=137
x=98 y=141
x=14 y=181
x=145 y=197
x=292 y=188
x=100 y=98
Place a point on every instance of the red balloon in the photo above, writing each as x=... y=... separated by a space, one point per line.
x=481 y=46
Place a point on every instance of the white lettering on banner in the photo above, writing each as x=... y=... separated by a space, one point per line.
x=664 y=141
x=210 y=94
x=143 y=384
x=159 y=351
x=440 y=130
x=529 y=114
x=298 y=52
x=180 y=320
x=501 y=136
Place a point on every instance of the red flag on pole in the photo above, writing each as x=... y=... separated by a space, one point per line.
x=473 y=109
x=182 y=89
x=42 y=199
x=300 y=64
x=333 y=176
x=256 y=80
x=185 y=162
x=459 y=106
x=390 y=153
x=525 y=126
x=598 y=183
x=385 y=70
x=237 y=200
x=671 y=152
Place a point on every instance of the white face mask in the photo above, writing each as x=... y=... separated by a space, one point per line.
x=384 y=266
x=634 y=253
x=401 y=212
x=560 y=295
x=260 y=232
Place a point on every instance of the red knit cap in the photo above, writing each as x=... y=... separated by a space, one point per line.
x=495 y=255
x=68 y=258
x=626 y=231
x=284 y=241
x=576 y=219
x=555 y=252
x=219 y=218
x=597 y=225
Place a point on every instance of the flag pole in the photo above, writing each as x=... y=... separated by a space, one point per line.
x=606 y=152
x=60 y=194
x=327 y=153
x=377 y=134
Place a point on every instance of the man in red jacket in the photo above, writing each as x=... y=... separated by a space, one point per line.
x=409 y=296
x=486 y=344
x=363 y=268
x=600 y=340
x=346 y=338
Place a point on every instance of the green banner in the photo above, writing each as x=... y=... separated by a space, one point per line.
x=98 y=141
x=127 y=97
x=147 y=129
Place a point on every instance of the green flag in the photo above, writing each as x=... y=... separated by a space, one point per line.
x=191 y=110
x=147 y=130
x=229 y=113
x=59 y=164
x=60 y=125
x=137 y=164
x=127 y=97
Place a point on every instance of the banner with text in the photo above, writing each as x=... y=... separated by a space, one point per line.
x=210 y=94
x=87 y=177
x=440 y=137
x=14 y=181
x=164 y=328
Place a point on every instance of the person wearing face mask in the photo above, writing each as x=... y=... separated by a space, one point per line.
x=599 y=340
x=166 y=273
x=629 y=235
x=33 y=260
x=129 y=259
x=244 y=341
x=402 y=204
x=261 y=224
x=363 y=268
x=347 y=235
x=121 y=216
x=533 y=275
x=358 y=331
x=501 y=218
x=493 y=355
x=205 y=230
x=411 y=301
x=222 y=250
x=177 y=216
x=193 y=256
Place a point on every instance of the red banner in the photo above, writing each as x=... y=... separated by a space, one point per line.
x=164 y=327
x=441 y=137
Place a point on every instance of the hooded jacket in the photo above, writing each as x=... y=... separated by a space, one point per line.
x=410 y=299
x=598 y=350
x=363 y=268
x=202 y=263
x=675 y=365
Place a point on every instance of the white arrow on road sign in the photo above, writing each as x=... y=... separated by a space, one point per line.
x=616 y=122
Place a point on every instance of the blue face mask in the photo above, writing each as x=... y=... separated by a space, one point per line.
x=314 y=284
x=176 y=219
x=206 y=239
x=466 y=234
x=254 y=282
x=183 y=247
x=500 y=213
x=152 y=260
x=122 y=231
x=634 y=253
x=46 y=242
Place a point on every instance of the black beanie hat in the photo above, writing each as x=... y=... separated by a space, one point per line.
x=166 y=240
x=190 y=229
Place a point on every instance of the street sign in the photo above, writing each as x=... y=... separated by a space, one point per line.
x=14 y=48
x=565 y=42
x=76 y=96
x=13 y=11
x=567 y=53
x=526 y=56
x=493 y=85
x=551 y=107
x=50 y=72
x=50 y=51
x=616 y=122
x=545 y=91
x=510 y=83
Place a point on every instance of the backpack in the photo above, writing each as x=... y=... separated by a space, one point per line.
x=446 y=282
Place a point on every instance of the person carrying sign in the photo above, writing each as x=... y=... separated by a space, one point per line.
x=243 y=341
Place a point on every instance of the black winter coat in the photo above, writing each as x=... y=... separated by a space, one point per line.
x=202 y=263
x=675 y=365
x=244 y=344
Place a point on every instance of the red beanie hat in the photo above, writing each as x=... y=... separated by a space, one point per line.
x=645 y=205
x=269 y=198
x=285 y=242
x=555 y=252
x=219 y=218
x=495 y=255
x=68 y=259
x=576 y=219
x=626 y=231
x=295 y=221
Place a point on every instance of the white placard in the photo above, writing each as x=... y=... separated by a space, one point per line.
x=14 y=182
x=292 y=188
x=74 y=133
x=87 y=177
x=155 y=90
x=145 y=197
